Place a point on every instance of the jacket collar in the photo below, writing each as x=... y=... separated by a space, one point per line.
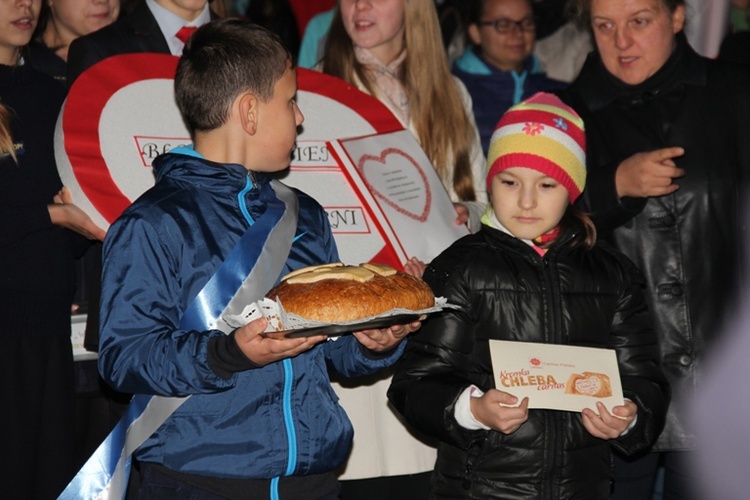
x=205 y=174
x=498 y=238
x=598 y=88
x=473 y=63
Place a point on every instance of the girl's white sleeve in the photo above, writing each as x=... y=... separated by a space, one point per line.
x=462 y=410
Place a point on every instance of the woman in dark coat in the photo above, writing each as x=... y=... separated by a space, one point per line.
x=668 y=155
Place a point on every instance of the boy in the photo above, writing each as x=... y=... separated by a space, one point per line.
x=261 y=419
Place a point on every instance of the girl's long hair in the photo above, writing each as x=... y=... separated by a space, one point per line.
x=6 y=140
x=437 y=113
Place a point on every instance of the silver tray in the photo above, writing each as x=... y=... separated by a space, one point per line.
x=338 y=329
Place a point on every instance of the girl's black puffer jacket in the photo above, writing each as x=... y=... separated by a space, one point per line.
x=507 y=291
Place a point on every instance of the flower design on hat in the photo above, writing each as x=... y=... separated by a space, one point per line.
x=533 y=128
x=560 y=123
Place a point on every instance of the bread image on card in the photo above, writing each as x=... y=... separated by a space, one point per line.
x=591 y=384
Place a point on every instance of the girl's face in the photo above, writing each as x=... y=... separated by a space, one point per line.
x=507 y=50
x=18 y=19
x=634 y=37
x=527 y=202
x=74 y=18
x=376 y=25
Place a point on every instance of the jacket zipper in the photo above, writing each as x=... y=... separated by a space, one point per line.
x=249 y=185
x=288 y=369
x=554 y=337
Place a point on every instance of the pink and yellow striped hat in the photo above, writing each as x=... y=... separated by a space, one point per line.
x=544 y=134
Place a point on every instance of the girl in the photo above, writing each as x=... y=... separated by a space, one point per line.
x=533 y=274
x=36 y=278
x=61 y=22
x=392 y=49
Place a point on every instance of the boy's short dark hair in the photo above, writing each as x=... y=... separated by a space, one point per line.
x=220 y=61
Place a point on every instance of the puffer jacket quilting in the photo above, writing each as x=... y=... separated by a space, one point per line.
x=507 y=292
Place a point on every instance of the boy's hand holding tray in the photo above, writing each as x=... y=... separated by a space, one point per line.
x=557 y=377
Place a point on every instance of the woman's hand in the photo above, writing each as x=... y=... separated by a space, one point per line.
x=494 y=410
x=649 y=174
x=65 y=214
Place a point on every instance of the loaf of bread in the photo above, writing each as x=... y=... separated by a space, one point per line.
x=592 y=384
x=335 y=293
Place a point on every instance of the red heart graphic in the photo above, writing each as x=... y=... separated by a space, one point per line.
x=425 y=211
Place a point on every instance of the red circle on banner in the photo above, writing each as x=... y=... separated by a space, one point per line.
x=95 y=87
x=83 y=111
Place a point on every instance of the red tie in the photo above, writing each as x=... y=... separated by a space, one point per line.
x=185 y=33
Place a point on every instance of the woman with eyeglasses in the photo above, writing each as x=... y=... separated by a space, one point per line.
x=499 y=69
x=669 y=158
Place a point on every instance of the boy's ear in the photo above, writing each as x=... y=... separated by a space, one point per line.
x=248 y=109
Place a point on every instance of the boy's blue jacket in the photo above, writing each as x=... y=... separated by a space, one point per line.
x=280 y=419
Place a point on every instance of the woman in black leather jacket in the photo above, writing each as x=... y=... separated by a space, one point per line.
x=668 y=154
x=533 y=273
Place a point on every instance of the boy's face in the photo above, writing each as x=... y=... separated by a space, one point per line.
x=527 y=202
x=509 y=49
x=278 y=120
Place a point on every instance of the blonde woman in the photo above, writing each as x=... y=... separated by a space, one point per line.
x=392 y=49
